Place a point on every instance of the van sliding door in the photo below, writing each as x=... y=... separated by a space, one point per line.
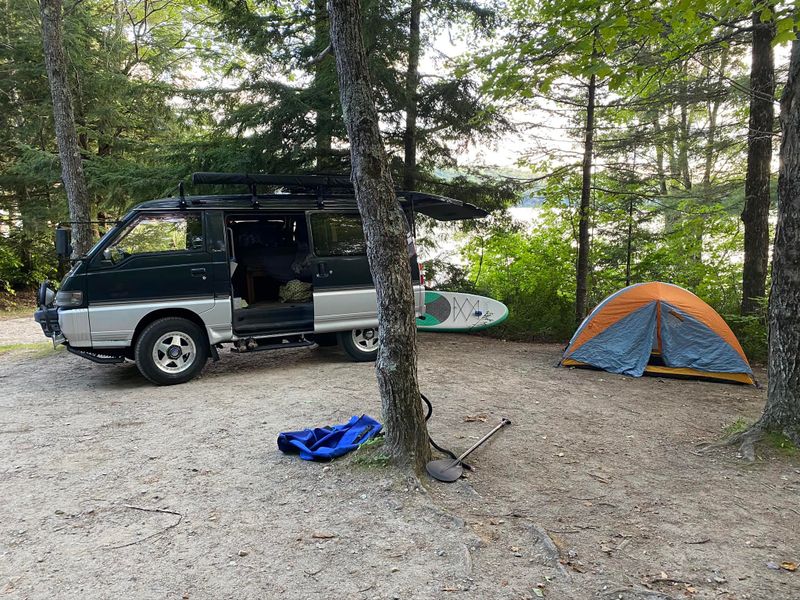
x=344 y=295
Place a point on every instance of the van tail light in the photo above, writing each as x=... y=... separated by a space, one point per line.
x=421 y=274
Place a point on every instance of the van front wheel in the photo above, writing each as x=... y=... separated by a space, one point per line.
x=361 y=345
x=171 y=350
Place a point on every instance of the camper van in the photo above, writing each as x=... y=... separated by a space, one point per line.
x=282 y=266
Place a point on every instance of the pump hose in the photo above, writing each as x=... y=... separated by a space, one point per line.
x=430 y=439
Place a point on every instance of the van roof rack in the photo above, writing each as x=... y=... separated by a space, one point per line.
x=290 y=181
x=327 y=186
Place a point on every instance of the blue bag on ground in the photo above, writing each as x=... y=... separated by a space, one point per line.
x=326 y=443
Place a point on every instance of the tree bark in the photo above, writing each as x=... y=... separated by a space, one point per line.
x=711 y=140
x=662 y=178
x=385 y=230
x=64 y=121
x=683 y=144
x=782 y=411
x=759 y=158
x=585 y=216
x=412 y=84
x=629 y=245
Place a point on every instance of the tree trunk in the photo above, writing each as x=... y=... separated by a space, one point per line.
x=385 y=232
x=29 y=226
x=662 y=178
x=672 y=216
x=759 y=157
x=64 y=122
x=629 y=245
x=586 y=195
x=412 y=83
x=782 y=411
x=683 y=145
x=713 y=112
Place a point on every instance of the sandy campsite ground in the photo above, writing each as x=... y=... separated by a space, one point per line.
x=113 y=488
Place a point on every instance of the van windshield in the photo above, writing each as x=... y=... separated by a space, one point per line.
x=107 y=235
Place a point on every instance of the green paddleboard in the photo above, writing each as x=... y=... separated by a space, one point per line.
x=459 y=312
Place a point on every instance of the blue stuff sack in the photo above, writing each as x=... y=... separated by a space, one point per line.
x=327 y=443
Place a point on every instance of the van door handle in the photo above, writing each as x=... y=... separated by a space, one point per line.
x=201 y=272
x=322 y=270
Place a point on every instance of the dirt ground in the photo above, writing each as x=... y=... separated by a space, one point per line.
x=20 y=330
x=113 y=488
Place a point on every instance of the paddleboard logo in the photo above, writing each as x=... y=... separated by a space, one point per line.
x=467 y=307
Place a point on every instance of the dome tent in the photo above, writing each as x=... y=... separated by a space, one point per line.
x=658 y=328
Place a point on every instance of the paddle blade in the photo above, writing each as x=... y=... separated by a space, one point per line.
x=445 y=469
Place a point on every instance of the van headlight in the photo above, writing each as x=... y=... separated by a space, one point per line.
x=69 y=299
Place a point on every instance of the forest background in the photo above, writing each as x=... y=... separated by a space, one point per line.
x=635 y=138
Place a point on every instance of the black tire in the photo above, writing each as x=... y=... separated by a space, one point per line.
x=358 y=345
x=177 y=361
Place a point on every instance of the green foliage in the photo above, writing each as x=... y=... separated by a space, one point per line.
x=532 y=269
x=752 y=332
x=25 y=259
x=774 y=439
x=37 y=350
x=532 y=272
x=781 y=443
x=128 y=61
x=740 y=425
x=370 y=454
x=165 y=88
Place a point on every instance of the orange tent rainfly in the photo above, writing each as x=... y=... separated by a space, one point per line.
x=662 y=329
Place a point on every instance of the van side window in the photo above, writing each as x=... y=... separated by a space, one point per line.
x=337 y=235
x=158 y=233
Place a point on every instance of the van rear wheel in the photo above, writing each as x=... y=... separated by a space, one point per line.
x=361 y=345
x=171 y=350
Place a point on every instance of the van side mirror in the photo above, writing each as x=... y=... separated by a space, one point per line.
x=63 y=242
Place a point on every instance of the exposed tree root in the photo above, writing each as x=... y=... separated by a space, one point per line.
x=747 y=439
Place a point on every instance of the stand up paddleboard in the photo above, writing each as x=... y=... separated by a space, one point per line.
x=454 y=311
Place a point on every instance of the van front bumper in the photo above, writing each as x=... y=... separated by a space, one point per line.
x=47 y=317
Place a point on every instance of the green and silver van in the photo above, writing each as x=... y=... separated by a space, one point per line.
x=282 y=266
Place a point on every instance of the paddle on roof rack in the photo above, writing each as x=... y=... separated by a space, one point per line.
x=431 y=205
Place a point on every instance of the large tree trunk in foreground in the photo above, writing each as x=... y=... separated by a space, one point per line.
x=759 y=158
x=385 y=231
x=412 y=83
x=585 y=216
x=782 y=411
x=64 y=122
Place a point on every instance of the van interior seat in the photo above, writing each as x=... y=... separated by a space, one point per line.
x=269 y=252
